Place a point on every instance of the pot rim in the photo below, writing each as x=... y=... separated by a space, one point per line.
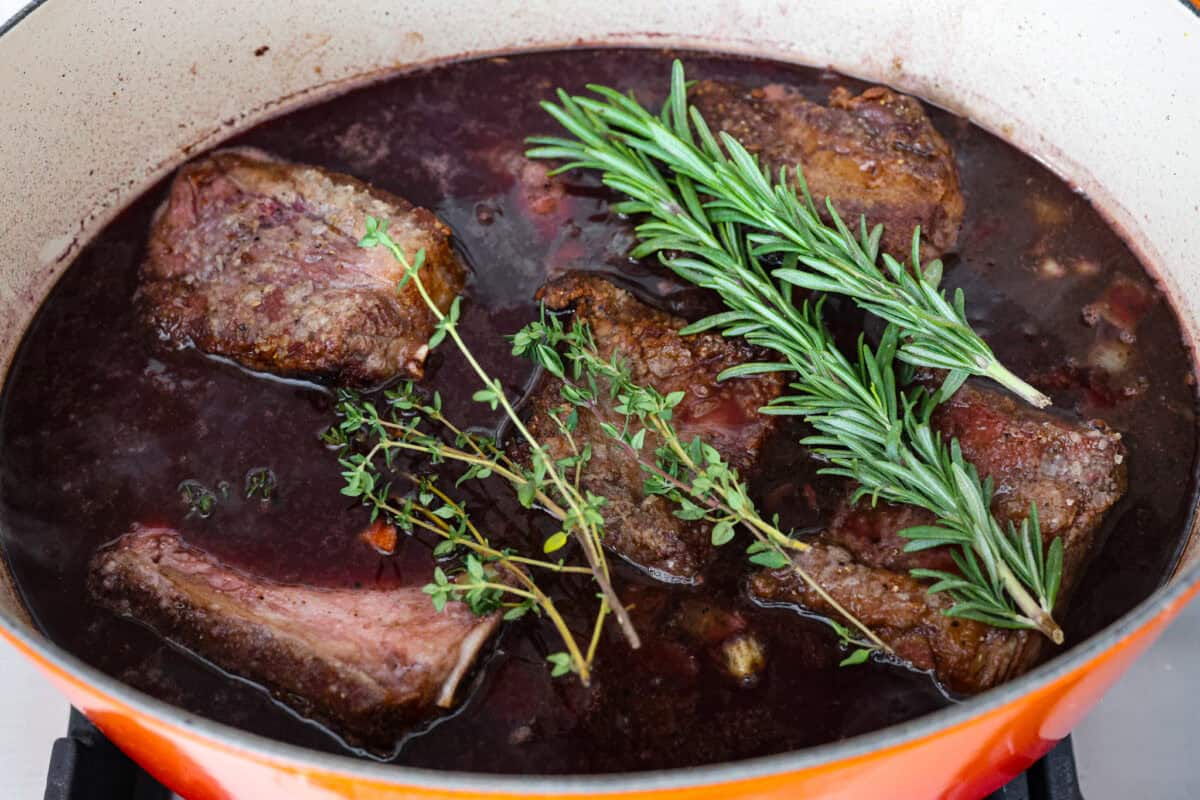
x=1177 y=587
x=234 y=739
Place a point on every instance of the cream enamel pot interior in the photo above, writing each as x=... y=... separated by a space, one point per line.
x=101 y=99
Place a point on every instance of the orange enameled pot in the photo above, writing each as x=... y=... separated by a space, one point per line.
x=103 y=99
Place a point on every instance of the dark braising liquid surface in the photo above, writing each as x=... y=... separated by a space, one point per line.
x=100 y=426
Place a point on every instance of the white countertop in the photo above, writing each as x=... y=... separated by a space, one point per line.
x=32 y=715
x=1140 y=741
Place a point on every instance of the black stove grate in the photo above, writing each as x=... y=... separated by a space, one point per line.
x=1052 y=778
x=86 y=766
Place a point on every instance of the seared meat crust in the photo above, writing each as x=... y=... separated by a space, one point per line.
x=257 y=260
x=640 y=527
x=966 y=656
x=1073 y=471
x=875 y=153
x=368 y=662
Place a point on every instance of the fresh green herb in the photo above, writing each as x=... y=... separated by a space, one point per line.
x=200 y=500
x=880 y=437
x=554 y=485
x=560 y=663
x=856 y=656
x=260 y=482
x=703 y=195
x=489 y=579
x=488 y=573
x=692 y=475
x=860 y=651
x=708 y=225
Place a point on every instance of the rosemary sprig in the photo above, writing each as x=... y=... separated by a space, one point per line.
x=869 y=430
x=546 y=481
x=881 y=437
x=692 y=475
x=695 y=188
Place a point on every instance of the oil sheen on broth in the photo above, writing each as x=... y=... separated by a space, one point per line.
x=100 y=426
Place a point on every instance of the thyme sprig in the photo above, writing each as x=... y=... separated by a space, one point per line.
x=552 y=484
x=490 y=578
x=401 y=428
x=704 y=226
x=699 y=192
x=692 y=475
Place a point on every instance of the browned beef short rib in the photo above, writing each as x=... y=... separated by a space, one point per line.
x=1073 y=471
x=367 y=662
x=640 y=527
x=257 y=259
x=875 y=153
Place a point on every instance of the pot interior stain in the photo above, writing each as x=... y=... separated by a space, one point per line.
x=100 y=426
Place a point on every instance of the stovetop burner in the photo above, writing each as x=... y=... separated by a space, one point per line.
x=86 y=766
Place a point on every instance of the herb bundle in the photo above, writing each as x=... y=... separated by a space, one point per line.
x=712 y=218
